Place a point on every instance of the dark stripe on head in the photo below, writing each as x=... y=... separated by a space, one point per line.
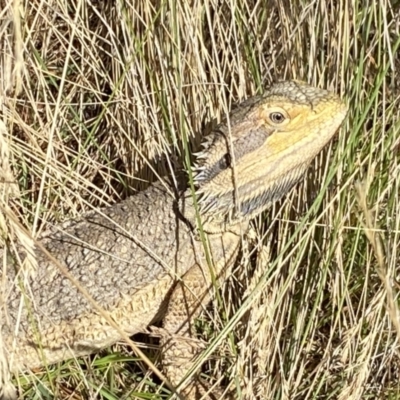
x=250 y=142
x=242 y=146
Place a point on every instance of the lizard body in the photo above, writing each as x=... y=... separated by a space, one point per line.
x=130 y=256
x=144 y=252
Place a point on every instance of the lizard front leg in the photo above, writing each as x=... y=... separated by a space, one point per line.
x=178 y=343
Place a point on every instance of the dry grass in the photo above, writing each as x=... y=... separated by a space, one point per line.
x=98 y=98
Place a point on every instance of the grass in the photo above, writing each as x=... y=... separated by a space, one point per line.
x=99 y=98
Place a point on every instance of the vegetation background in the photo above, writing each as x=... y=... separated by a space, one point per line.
x=98 y=98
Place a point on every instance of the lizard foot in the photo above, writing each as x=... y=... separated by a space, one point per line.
x=179 y=345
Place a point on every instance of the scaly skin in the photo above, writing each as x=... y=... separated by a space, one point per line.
x=130 y=256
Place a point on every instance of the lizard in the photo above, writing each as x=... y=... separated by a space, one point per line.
x=141 y=260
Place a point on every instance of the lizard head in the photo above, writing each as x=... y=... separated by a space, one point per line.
x=258 y=153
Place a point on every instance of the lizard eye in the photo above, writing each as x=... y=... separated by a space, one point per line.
x=277 y=117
